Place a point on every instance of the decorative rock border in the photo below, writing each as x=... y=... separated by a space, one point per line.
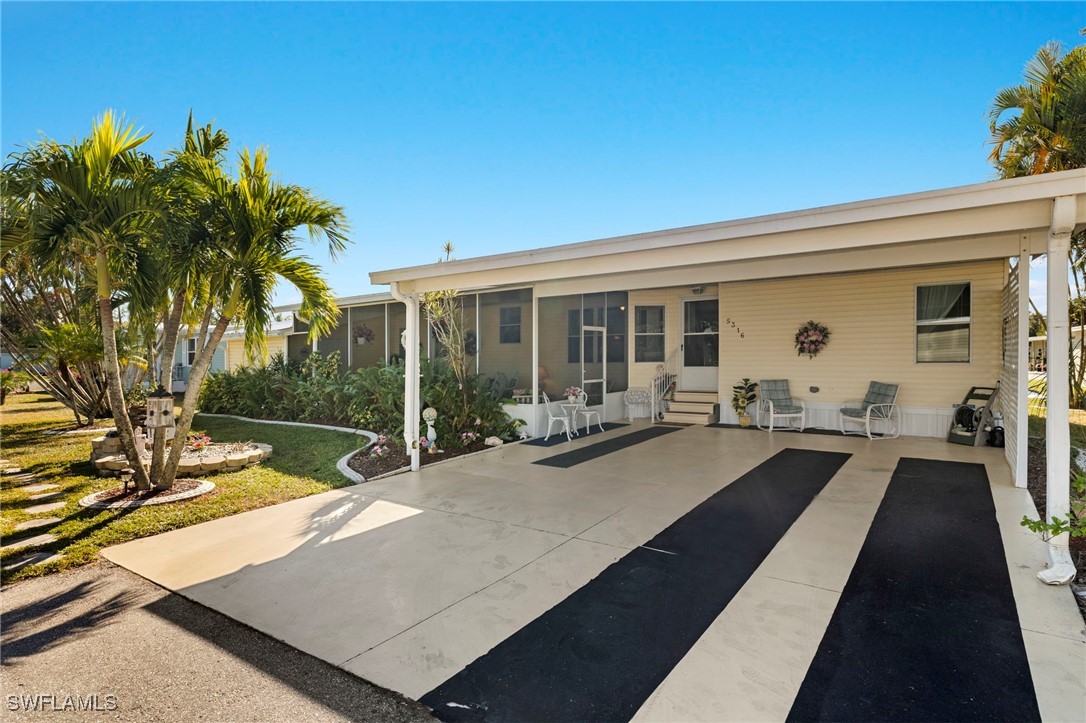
x=202 y=489
x=115 y=464
x=341 y=464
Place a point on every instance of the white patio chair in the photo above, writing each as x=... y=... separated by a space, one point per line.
x=584 y=411
x=551 y=419
x=879 y=406
x=775 y=401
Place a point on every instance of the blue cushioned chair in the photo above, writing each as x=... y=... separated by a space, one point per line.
x=775 y=401
x=878 y=407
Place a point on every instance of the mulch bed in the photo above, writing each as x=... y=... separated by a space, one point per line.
x=396 y=459
x=121 y=493
x=1037 y=483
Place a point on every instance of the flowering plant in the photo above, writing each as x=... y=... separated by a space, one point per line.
x=199 y=441
x=468 y=437
x=363 y=332
x=573 y=391
x=811 y=338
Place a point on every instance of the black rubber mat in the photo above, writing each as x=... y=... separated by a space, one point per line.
x=613 y=444
x=601 y=652
x=560 y=437
x=926 y=628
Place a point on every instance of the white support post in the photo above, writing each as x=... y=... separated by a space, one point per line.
x=1061 y=570
x=535 y=362
x=350 y=341
x=1021 y=422
x=388 y=337
x=411 y=389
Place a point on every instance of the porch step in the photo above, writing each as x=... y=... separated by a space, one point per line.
x=710 y=397
x=696 y=407
x=689 y=417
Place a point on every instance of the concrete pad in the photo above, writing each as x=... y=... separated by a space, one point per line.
x=423 y=657
x=338 y=573
x=46 y=496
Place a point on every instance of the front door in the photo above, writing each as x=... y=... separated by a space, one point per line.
x=700 y=345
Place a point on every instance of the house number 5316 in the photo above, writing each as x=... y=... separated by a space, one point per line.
x=733 y=325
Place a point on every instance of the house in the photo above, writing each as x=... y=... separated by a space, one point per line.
x=1038 y=347
x=926 y=290
x=275 y=339
x=185 y=354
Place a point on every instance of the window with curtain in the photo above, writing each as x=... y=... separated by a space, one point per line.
x=648 y=333
x=190 y=352
x=943 y=323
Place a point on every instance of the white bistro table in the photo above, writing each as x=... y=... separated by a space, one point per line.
x=571 y=408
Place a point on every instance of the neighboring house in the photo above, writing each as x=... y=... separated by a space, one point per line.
x=1038 y=348
x=185 y=355
x=924 y=290
x=275 y=338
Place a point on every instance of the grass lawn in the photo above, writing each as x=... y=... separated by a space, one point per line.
x=1078 y=425
x=303 y=463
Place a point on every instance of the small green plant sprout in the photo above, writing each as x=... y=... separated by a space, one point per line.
x=743 y=395
x=1075 y=522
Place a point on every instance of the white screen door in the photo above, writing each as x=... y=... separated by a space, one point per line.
x=594 y=363
x=701 y=346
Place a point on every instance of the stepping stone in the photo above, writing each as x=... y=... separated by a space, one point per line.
x=39 y=487
x=35 y=541
x=40 y=522
x=19 y=479
x=7 y=471
x=46 y=496
x=36 y=558
x=4 y=463
x=47 y=507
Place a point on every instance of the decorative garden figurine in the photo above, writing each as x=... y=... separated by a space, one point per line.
x=429 y=415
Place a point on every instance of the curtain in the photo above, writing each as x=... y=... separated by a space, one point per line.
x=935 y=303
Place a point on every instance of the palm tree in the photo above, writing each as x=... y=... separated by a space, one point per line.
x=251 y=223
x=1039 y=126
x=93 y=201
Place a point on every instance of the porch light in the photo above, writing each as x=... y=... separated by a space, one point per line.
x=160 y=409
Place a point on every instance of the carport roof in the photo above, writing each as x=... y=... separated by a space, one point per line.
x=1020 y=194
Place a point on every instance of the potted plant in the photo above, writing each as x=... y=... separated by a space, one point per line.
x=363 y=334
x=743 y=395
x=572 y=393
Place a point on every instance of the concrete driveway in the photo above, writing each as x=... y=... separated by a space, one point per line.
x=427 y=583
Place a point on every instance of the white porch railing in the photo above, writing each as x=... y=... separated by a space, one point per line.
x=663 y=382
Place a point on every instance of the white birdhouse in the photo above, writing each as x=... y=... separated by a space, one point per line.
x=160 y=409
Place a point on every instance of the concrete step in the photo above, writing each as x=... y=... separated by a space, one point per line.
x=695 y=407
x=41 y=487
x=688 y=417
x=712 y=397
x=43 y=508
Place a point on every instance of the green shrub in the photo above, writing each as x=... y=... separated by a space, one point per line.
x=369 y=398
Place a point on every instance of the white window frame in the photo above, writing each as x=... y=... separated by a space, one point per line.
x=942 y=322
x=518 y=325
x=190 y=351
x=662 y=333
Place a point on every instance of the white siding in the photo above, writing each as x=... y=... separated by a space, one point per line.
x=871 y=317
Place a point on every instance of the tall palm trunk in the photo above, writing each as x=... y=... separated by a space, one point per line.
x=192 y=388
x=165 y=379
x=112 y=368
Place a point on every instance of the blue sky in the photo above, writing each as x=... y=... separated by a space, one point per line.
x=506 y=127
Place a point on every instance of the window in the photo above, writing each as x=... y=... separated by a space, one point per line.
x=648 y=333
x=943 y=323
x=190 y=352
x=509 y=325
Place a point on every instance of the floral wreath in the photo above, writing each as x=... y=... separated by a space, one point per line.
x=811 y=338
